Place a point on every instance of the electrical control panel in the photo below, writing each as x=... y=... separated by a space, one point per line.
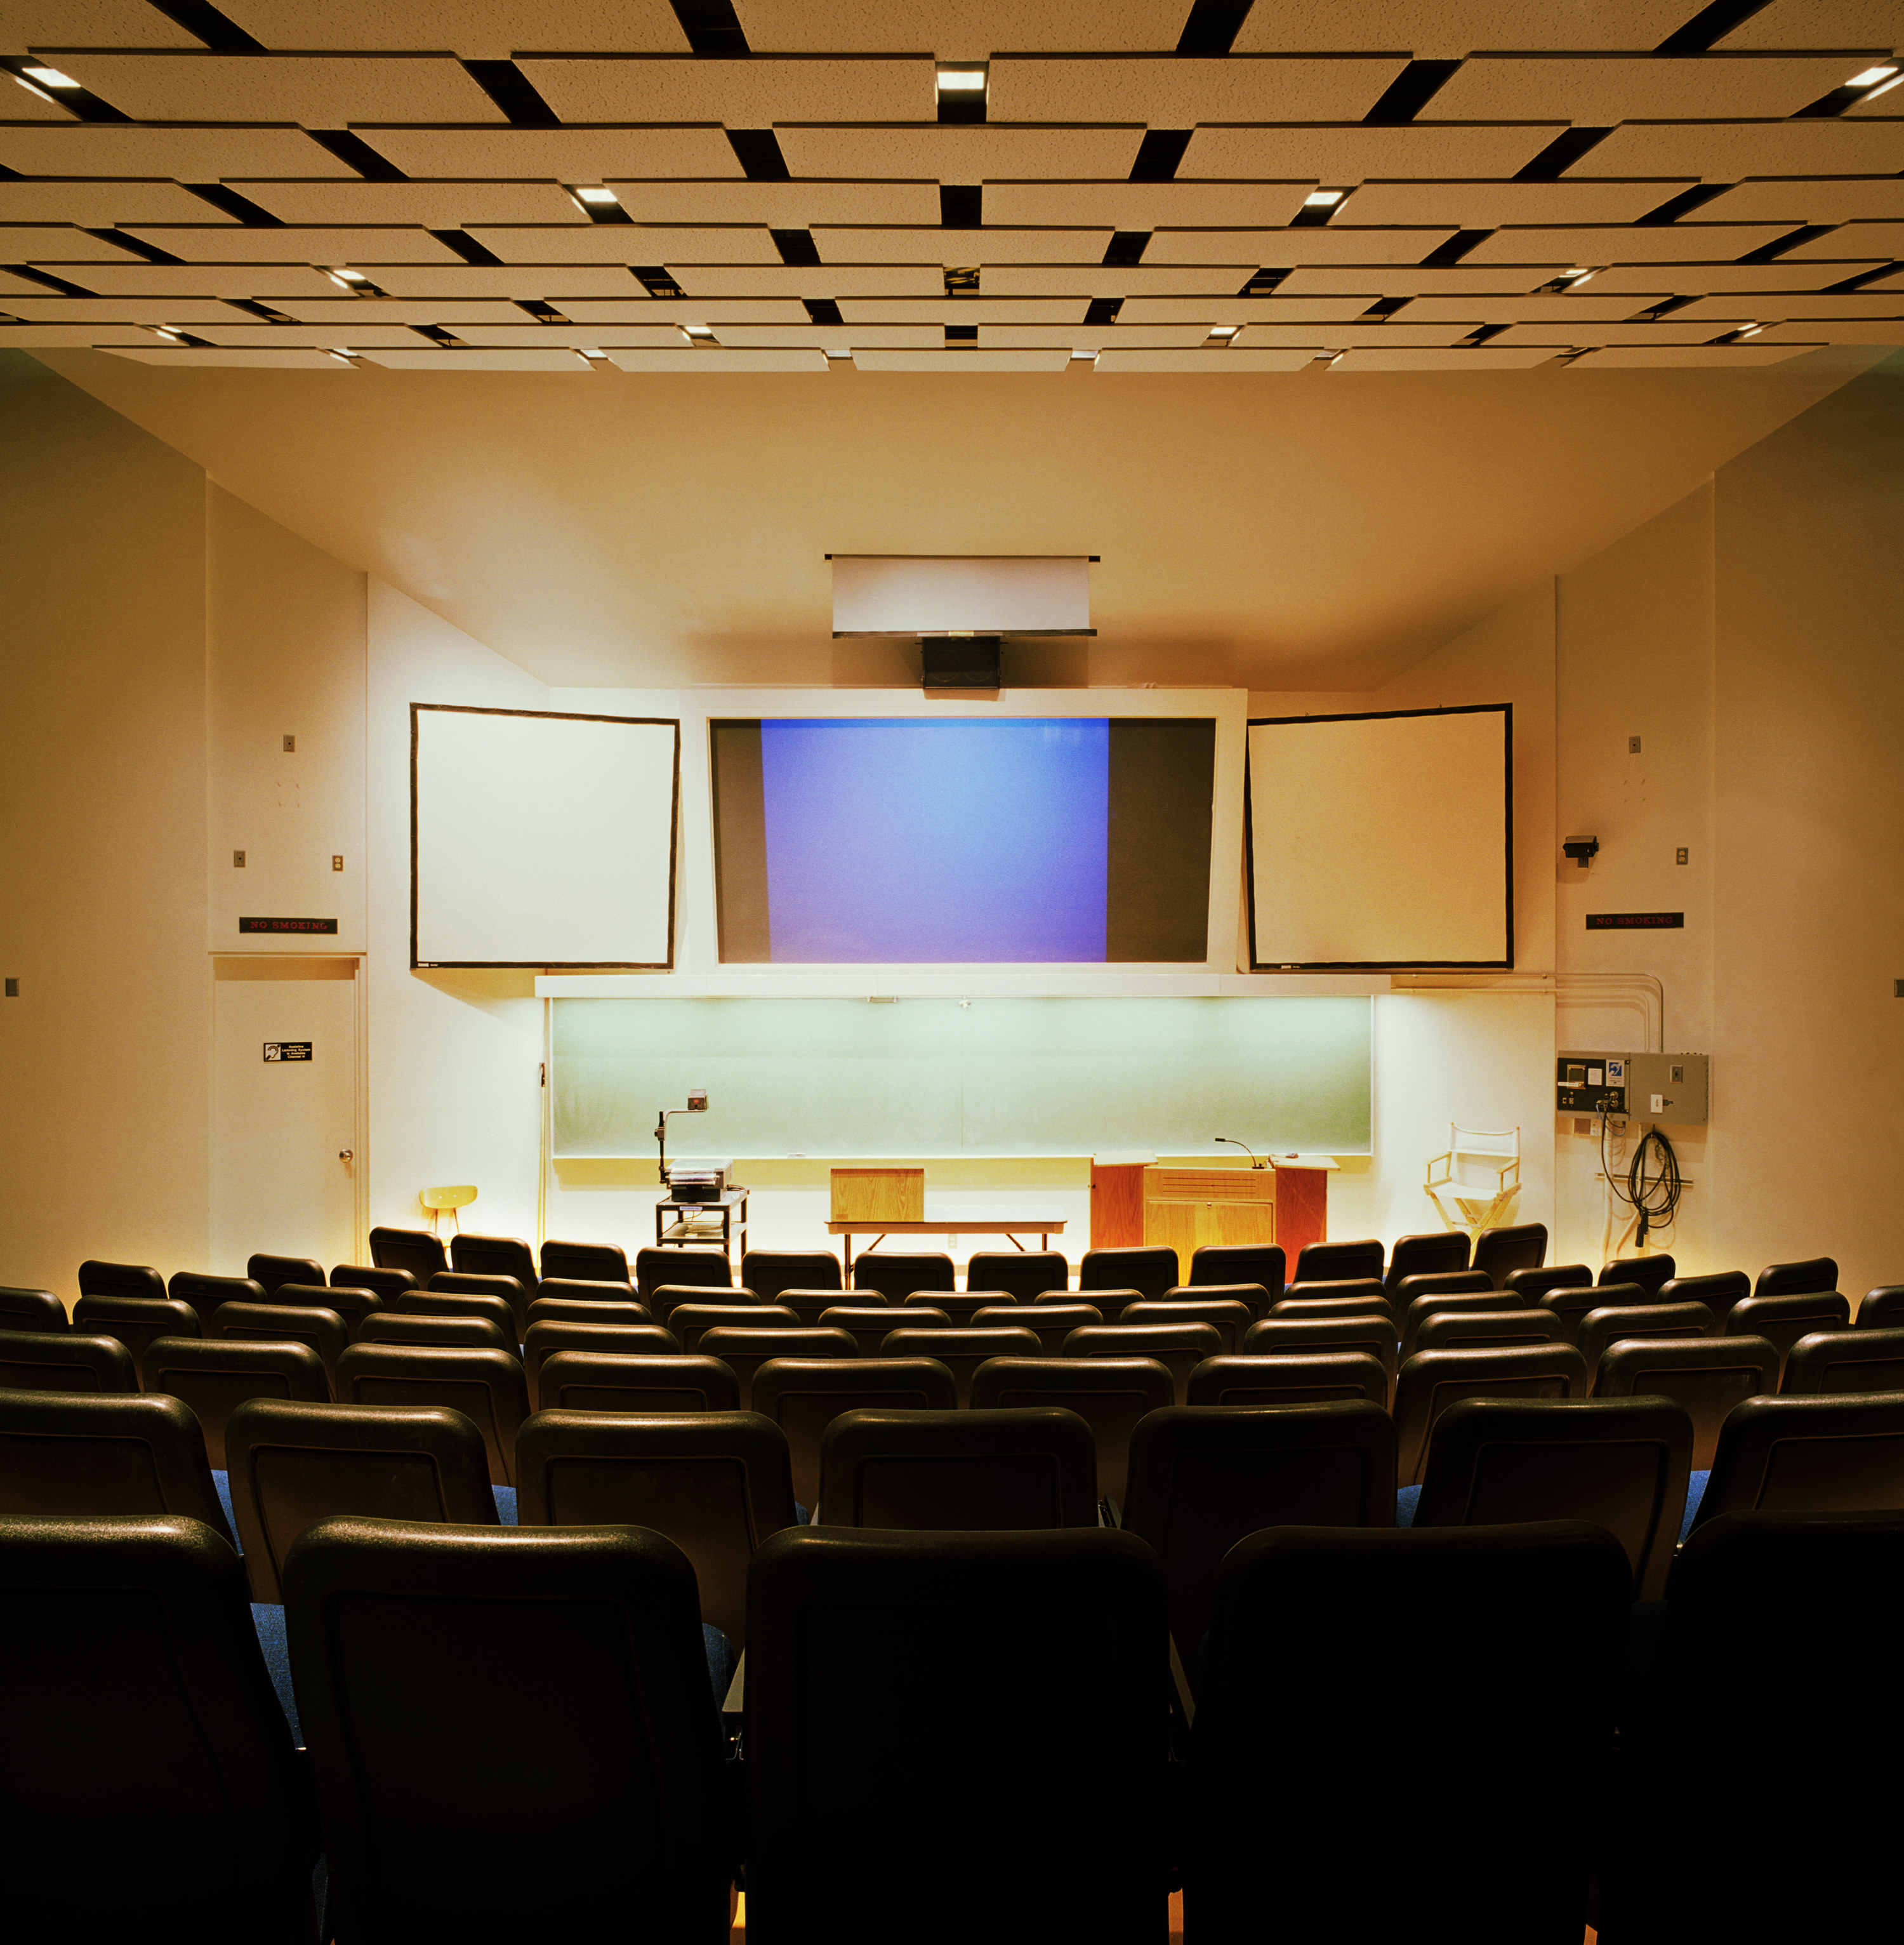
x=1669 y=1087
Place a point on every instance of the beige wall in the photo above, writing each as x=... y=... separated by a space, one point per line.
x=105 y=1057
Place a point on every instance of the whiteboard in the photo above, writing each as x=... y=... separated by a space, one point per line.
x=926 y=1078
x=538 y=839
x=1381 y=839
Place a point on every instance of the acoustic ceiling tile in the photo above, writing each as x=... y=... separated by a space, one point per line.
x=1669 y=331
x=835 y=336
x=1563 y=313
x=1426 y=358
x=865 y=243
x=543 y=283
x=188 y=155
x=965 y=362
x=1687 y=279
x=236 y=243
x=134 y=279
x=951 y=153
x=1336 y=152
x=1870 y=24
x=591 y=337
x=567 y=155
x=474 y=29
x=1371 y=331
x=824 y=280
x=1447 y=29
x=54 y=336
x=1241 y=310
x=1487 y=205
x=185 y=312
x=628 y=243
x=556 y=358
x=1836 y=331
x=1670 y=243
x=352 y=314
x=319 y=90
x=714 y=311
x=1413 y=280
x=98 y=205
x=750 y=94
x=56 y=242
x=323 y=338
x=1787 y=305
x=715 y=362
x=1803 y=199
x=1602 y=90
x=1145 y=337
x=1881 y=242
x=12 y=285
x=435 y=205
x=1234 y=363
x=1687 y=357
x=1129 y=205
x=1285 y=249
x=1172 y=91
x=1109 y=280
x=1728 y=151
x=962 y=310
x=27 y=104
x=32 y=26
x=287 y=360
x=958 y=29
x=782 y=205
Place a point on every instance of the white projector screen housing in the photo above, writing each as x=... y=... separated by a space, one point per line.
x=542 y=839
x=969 y=594
x=1382 y=841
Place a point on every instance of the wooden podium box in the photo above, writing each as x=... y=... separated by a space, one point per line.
x=879 y=1195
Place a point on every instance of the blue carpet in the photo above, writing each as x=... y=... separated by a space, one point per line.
x=269 y=1619
x=720 y=1659
x=1407 y=1500
x=1695 y=1492
x=801 y=1514
x=221 y=1484
x=505 y=1504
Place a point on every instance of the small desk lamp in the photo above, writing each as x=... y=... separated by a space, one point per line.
x=697 y=1104
x=1254 y=1163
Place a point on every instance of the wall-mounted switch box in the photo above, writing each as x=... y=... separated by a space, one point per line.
x=1668 y=1087
x=238 y=860
x=1595 y=1083
x=290 y=744
x=13 y=989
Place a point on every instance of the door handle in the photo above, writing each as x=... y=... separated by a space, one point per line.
x=345 y=1154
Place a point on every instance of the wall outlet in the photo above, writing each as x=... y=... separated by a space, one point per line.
x=291 y=743
x=238 y=860
x=13 y=989
x=337 y=861
x=1682 y=855
x=1632 y=746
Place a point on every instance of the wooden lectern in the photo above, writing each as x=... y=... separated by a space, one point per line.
x=1138 y=1202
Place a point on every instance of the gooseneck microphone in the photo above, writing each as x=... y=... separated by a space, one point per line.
x=1244 y=1145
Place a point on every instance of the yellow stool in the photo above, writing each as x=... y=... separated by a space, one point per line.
x=437 y=1200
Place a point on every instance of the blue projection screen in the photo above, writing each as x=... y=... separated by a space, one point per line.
x=963 y=840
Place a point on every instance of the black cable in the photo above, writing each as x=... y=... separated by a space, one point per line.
x=1655 y=1203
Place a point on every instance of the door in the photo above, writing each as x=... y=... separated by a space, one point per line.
x=286 y=1119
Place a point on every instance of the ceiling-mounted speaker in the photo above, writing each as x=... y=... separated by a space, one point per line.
x=959 y=661
x=973 y=595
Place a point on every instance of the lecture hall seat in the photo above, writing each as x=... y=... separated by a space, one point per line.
x=64 y=1360
x=204 y=1293
x=1329 y=1377
x=494 y=1255
x=598 y=1381
x=487 y=1387
x=1051 y=1323
x=706 y=1268
x=1111 y=1395
x=215 y=1376
x=1836 y=1362
x=322 y=1331
x=1022 y=1274
x=1429 y=1382
x=354 y=1306
x=416 y=1251
x=105 y=1279
x=1651 y=1273
x=1784 y=1319
x=1822 y=1453
x=1708 y=1376
x=495 y=1310
x=1442 y=1251
x=896 y=1274
x=1264 y=1264
x=1718 y=1291
x=626 y=1340
x=1149 y=1270
x=1621 y=1322
x=961 y=1349
x=1178 y=1348
x=1319 y=1263
x=1499 y=1253
x=426 y=1328
x=745 y=1348
x=555 y=1304
x=1230 y=1319
x=32 y=1310
x=767 y=1272
x=588 y=1262
x=804 y=1396
x=512 y=1289
x=1799 y=1279
x=269 y=1272
x=961 y=1306
x=390 y=1284
x=136 y=1321
x=867 y=1323
x=690 y=1322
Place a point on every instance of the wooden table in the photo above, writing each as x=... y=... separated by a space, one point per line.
x=1043 y=1221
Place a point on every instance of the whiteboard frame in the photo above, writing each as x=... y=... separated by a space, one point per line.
x=667 y=965
x=1505 y=711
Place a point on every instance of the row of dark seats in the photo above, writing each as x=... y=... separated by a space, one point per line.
x=947 y=1735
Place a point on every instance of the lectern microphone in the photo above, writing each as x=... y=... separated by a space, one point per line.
x=1244 y=1145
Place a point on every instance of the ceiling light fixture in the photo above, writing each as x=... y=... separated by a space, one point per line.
x=596 y=196
x=166 y=331
x=342 y=357
x=38 y=94
x=1885 y=90
x=1577 y=277
x=347 y=280
x=1084 y=357
x=964 y=78
x=959 y=91
x=1869 y=78
x=696 y=334
x=51 y=77
x=1221 y=334
x=593 y=357
x=1323 y=199
x=1749 y=331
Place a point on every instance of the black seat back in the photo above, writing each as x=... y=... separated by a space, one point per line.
x=615 y=1766
x=1051 y=1323
x=1882 y=1308
x=1111 y=1394
x=268 y=1271
x=1331 y=1262
x=1708 y=1376
x=1651 y=1273
x=594 y=1381
x=962 y=1471
x=958 y=1306
x=512 y=1289
x=352 y=1305
x=767 y=1272
x=323 y=1330
x=1431 y=1381
x=145 y=1667
x=1800 y=1279
x=866 y=1321
x=1225 y=1262
x=204 y=1293
x=1442 y=1252
x=725 y=1301
x=444 y=1332
x=854 y=1636
x=215 y=1376
x=588 y=1262
x=1531 y=1286
x=715 y=1483
x=1253 y=1297
x=1478 y=1328
x=1230 y=1319
x=486 y=1386
x=1824 y=1454
x=390 y=1284
x=104 y=1279
x=291 y=1465
x=896 y=1274
x=21 y=1309
x=1718 y=1291
x=1623 y=1463
x=136 y=1321
x=553 y=1304
x=1203 y=1478
x=494 y=1255
x=960 y=1349
x=1572 y=1303
x=416 y=1251
x=585 y=1289
x=1516 y=1245
x=1435 y=1303
x=1303 y=1615
x=745 y=1348
x=1372 y=1334
x=1372 y=1292
x=1023 y=1273
x=78 y=1456
x=1782 y=1319
x=1618 y=1323
x=64 y=1360
x=705 y=1268
x=1838 y=1361
x=1178 y=1348
x=494 y=1310
x=622 y=1340
x=1329 y=1377
x=1148 y=1270
x=804 y=1396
